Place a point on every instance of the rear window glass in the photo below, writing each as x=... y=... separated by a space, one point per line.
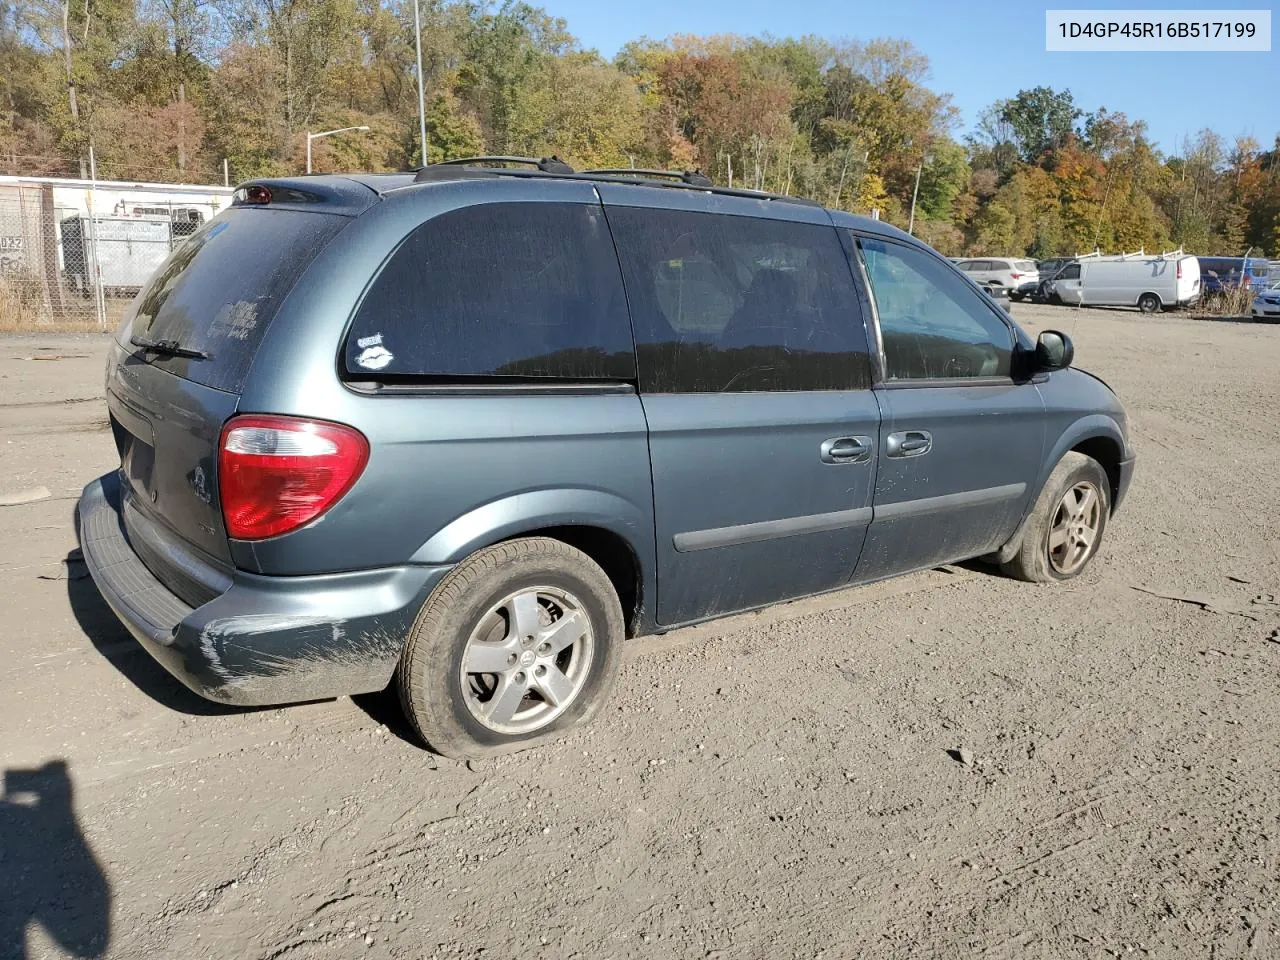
x=220 y=289
x=521 y=290
x=1025 y=266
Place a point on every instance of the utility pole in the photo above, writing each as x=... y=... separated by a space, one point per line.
x=422 y=100
x=915 y=193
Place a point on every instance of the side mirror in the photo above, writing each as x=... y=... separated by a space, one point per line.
x=1007 y=307
x=1054 y=351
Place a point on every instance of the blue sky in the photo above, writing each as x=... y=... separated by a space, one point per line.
x=981 y=51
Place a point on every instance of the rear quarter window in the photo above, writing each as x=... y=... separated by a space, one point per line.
x=514 y=290
x=222 y=286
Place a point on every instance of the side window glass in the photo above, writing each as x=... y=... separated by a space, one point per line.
x=1072 y=272
x=932 y=324
x=521 y=290
x=739 y=304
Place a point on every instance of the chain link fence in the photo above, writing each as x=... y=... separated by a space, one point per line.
x=74 y=253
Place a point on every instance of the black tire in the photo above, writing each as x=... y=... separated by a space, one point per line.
x=1033 y=561
x=1149 y=303
x=430 y=679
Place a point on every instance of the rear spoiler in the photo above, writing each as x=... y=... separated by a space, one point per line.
x=326 y=194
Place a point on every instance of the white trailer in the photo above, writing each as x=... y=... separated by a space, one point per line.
x=1149 y=282
x=120 y=198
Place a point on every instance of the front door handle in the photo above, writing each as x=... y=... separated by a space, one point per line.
x=846 y=450
x=909 y=443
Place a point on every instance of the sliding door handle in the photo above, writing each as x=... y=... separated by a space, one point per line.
x=846 y=450
x=909 y=443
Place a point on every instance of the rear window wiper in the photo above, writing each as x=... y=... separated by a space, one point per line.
x=169 y=348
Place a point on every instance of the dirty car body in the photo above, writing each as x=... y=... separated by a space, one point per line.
x=848 y=454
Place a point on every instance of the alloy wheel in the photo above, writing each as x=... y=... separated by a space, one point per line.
x=1077 y=523
x=527 y=660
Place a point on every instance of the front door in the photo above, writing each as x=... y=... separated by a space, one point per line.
x=755 y=380
x=1069 y=284
x=960 y=441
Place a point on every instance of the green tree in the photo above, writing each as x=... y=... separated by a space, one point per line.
x=1040 y=120
x=943 y=178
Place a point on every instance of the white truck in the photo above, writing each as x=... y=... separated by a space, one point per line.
x=1147 y=281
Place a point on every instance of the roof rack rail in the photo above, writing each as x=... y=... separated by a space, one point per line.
x=694 y=178
x=467 y=168
x=550 y=164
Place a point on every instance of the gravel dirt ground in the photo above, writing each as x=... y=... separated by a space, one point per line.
x=772 y=785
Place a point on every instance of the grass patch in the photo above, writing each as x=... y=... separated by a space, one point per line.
x=24 y=308
x=1237 y=302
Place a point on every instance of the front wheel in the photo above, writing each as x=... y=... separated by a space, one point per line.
x=1065 y=528
x=519 y=642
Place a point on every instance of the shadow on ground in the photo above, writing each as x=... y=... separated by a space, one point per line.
x=384 y=708
x=122 y=651
x=48 y=873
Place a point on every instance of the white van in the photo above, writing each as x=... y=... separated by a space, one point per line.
x=1149 y=282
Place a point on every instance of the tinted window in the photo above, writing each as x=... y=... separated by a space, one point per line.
x=933 y=325
x=498 y=290
x=222 y=286
x=725 y=303
x=1072 y=272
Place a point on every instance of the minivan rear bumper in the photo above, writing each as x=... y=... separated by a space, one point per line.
x=266 y=640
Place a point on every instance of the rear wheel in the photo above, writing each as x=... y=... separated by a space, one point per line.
x=518 y=643
x=1066 y=525
x=1148 y=303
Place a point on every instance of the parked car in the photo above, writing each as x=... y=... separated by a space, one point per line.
x=377 y=429
x=1150 y=283
x=1266 y=305
x=1038 y=291
x=1001 y=273
x=1023 y=290
x=1219 y=274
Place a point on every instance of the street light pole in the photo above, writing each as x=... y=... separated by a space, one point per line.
x=325 y=133
x=422 y=103
x=915 y=193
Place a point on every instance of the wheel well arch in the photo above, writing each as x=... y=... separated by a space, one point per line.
x=1150 y=293
x=614 y=555
x=1107 y=452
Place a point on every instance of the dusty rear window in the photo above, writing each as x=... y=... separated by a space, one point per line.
x=220 y=289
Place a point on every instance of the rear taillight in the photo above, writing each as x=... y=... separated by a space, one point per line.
x=276 y=474
x=1017 y=276
x=1179 y=270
